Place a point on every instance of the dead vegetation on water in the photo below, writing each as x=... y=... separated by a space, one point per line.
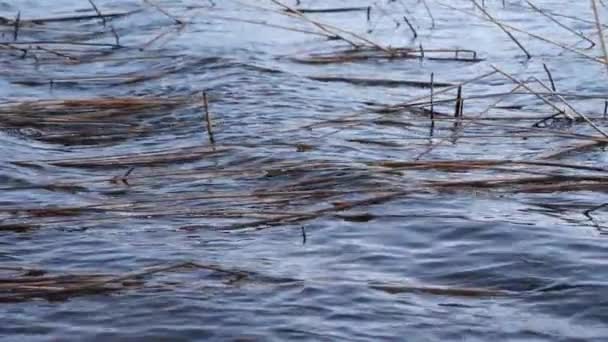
x=233 y=186
x=18 y=284
x=86 y=121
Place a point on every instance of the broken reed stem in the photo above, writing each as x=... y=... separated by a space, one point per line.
x=600 y=31
x=552 y=42
x=208 y=118
x=503 y=28
x=550 y=77
x=411 y=27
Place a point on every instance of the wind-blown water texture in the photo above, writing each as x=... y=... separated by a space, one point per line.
x=307 y=189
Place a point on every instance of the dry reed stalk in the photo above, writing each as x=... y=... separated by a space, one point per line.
x=530 y=34
x=549 y=93
x=552 y=42
x=600 y=31
x=364 y=53
x=469 y=292
x=475 y=164
x=295 y=186
x=584 y=117
x=149 y=204
x=550 y=17
x=552 y=132
x=442 y=91
x=561 y=98
x=502 y=27
x=293 y=12
x=371 y=82
x=578 y=148
x=461 y=128
x=523 y=85
x=399 y=107
x=128 y=160
x=330 y=29
x=535 y=183
x=337 y=206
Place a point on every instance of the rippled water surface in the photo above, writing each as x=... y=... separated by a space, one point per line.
x=324 y=207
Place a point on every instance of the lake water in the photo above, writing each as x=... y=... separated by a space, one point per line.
x=296 y=192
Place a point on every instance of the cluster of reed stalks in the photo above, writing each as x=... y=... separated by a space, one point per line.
x=435 y=143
